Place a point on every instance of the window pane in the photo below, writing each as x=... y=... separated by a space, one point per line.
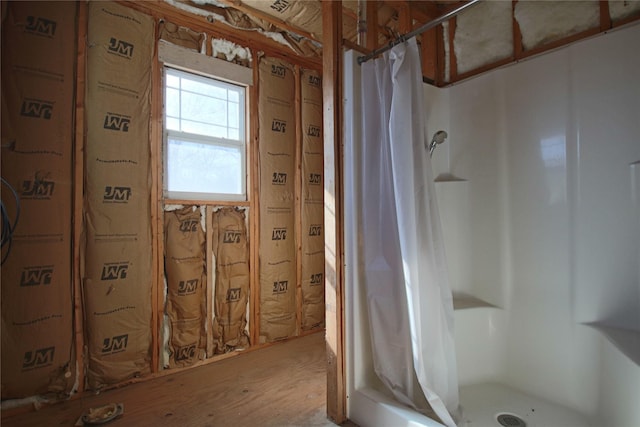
x=234 y=115
x=203 y=168
x=234 y=96
x=172 y=123
x=173 y=81
x=200 y=128
x=204 y=88
x=199 y=114
x=204 y=109
x=172 y=103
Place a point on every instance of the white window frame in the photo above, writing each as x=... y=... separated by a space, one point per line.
x=242 y=143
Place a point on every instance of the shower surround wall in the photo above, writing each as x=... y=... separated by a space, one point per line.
x=548 y=147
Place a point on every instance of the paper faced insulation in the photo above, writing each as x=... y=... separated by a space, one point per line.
x=38 y=62
x=117 y=277
x=231 y=253
x=277 y=149
x=312 y=215
x=186 y=285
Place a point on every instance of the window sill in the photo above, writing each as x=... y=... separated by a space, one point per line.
x=206 y=202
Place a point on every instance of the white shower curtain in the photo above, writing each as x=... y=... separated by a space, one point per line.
x=409 y=299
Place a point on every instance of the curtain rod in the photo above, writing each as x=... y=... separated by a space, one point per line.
x=403 y=38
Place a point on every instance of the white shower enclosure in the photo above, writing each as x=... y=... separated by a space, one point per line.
x=538 y=189
x=409 y=301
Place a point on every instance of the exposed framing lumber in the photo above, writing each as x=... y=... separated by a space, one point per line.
x=605 y=17
x=525 y=54
x=424 y=11
x=177 y=57
x=297 y=202
x=157 y=215
x=520 y=53
x=625 y=21
x=351 y=45
x=159 y=9
x=429 y=54
x=517 y=34
x=372 y=24
x=452 y=6
x=207 y=45
x=78 y=192
x=561 y=42
x=482 y=69
x=440 y=55
x=206 y=202
x=405 y=21
x=333 y=209
x=254 y=207
x=210 y=267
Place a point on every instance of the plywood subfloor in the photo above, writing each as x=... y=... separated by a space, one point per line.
x=282 y=385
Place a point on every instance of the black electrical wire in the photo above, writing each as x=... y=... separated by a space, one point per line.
x=7 y=226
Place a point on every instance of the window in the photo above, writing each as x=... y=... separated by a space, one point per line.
x=205 y=153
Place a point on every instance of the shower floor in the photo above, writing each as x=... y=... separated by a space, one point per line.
x=482 y=403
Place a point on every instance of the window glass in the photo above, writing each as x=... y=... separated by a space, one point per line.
x=195 y=167
x=204 y=138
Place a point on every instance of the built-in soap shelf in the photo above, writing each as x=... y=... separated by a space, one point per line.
x=447 y=177
x=625 y=340
x=462 y=301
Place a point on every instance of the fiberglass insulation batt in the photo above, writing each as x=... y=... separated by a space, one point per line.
x=38 y=62
x=312 y=215
x=277 y=159
x=117 y=277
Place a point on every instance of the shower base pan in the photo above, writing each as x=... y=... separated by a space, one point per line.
x=484 y=404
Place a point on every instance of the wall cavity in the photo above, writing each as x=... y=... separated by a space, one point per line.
x=38 y=61
x=484 y=34
x=545 y=22
x=117 y=272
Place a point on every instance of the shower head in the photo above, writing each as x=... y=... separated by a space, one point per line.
x=438 y=138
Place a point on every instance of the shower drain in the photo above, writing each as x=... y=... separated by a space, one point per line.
x=510 y=420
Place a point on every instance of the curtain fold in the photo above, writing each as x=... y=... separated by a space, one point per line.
x=408 y=294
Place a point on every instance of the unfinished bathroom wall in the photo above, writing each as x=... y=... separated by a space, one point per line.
x=117 y=268
x=119 y=257
x=495 y=33
x=544 y=22
x=312 y=215
x=184 y=264
x=277 y=160
x=181 y=36
x=484 y=34
x=622 y=9
x=230 y=247
x=38 y=62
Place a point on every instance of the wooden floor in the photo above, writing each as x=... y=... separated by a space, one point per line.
x=279 y=386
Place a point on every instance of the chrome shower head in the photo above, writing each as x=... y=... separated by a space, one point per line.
x=438 y=138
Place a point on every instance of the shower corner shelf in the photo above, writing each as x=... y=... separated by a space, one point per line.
x=447 y=177
x=625 y=340
x=462 y=301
